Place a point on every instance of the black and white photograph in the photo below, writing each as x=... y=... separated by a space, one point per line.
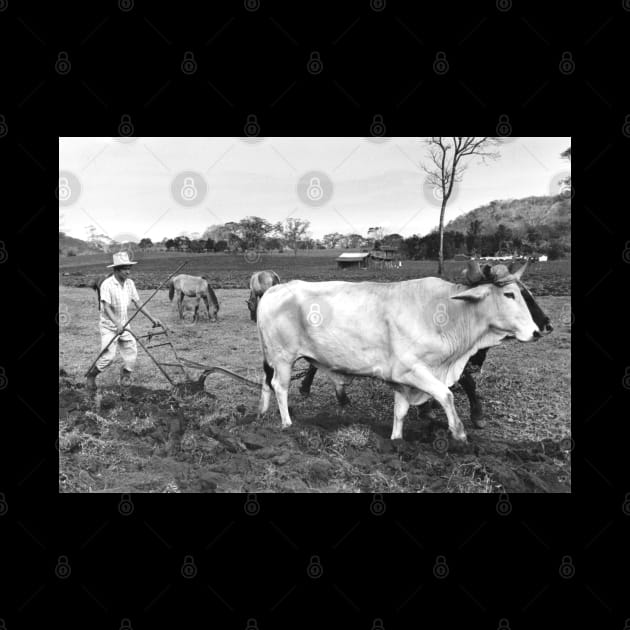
x=315 y=314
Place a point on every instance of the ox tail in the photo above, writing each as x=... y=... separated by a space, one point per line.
x=171 y=289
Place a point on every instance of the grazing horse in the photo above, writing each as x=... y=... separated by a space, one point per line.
x=471 y=277
x=258 y=284
x=197 y=287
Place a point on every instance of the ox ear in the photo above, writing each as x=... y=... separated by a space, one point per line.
x=473 y=295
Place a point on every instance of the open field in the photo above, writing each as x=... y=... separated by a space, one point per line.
x=232 y=271
x=148 y=438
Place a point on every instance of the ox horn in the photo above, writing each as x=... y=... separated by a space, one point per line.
x=473 y=273
x=517 y=274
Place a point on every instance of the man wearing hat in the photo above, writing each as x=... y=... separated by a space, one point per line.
x=117 y=292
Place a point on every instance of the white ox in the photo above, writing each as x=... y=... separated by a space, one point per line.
x=416 y=335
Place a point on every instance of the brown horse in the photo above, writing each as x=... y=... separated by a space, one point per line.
x=258 y=284
x=197 y=287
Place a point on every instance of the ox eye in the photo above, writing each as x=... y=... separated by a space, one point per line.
x=510 y=295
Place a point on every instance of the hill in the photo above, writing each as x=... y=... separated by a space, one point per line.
x=519 y=216
x=75 y=246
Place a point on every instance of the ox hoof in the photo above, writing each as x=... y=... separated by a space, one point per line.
x=478 y=422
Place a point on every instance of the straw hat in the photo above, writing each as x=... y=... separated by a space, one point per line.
x=121 y=259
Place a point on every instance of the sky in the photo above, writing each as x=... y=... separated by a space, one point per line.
x=133 y=188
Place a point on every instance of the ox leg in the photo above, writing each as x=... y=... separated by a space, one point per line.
x=180 y=305
x=425 y=381
x=401 y=406
x=265 y=392
x=196 y=317
x=476 y=409
x=280 y=383
x=307 y=381
x=340 y=393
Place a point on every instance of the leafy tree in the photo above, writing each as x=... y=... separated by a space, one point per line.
x=294 y=230
x=331 y=240
x=182 y=243
x=146 y=242
x=209 y=245
x=170 y=244
x=220 y=246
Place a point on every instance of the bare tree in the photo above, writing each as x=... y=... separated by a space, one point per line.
x=448 y=157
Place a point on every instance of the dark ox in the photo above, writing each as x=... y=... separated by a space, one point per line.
x=474 y=364
x=415 y=335
x=96 y=286
x=258 y=284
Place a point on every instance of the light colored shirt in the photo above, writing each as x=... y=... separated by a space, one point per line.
x=119 y=297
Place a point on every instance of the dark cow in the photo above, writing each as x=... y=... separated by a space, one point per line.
x=258 y=284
